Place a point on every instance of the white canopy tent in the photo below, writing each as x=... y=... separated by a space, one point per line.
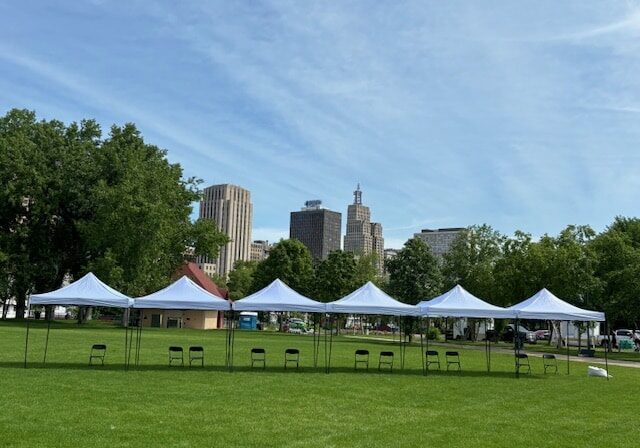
x=544 y=305
x=183 y=294
x=369 y=299
x=458 y=302
x=87 y=291
x=278 y=296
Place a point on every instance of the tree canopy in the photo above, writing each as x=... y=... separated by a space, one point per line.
x=290 y=261
x=73 y=202
x=414 y=274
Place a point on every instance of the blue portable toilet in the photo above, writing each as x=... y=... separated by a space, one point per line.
x=248 y=320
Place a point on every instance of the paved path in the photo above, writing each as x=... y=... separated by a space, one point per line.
x=494 y=349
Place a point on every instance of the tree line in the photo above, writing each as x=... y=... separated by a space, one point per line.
x=589 y=270
x=73 y=201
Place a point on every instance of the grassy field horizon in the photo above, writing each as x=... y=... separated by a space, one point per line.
x=67 y=403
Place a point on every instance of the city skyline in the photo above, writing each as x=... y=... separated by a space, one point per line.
x=519 y=116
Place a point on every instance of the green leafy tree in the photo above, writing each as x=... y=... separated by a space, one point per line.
x=46 y=171
x=72 y=202
x=336 y=276
x=618 y=268
x=368 y=270
x=472 y=259
x=414 y=274
x=241 y=279
x=290 y=261
x=141 y=225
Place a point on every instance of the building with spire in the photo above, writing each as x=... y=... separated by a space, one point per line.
x=363 y=237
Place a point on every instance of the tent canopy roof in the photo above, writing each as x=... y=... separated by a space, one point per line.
x=278 y=296
x=544 y=305
x=87 y=291
x=183 y=294
x=458 y=302
x=369 y=299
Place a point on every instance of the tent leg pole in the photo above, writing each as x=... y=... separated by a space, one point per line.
x=426 y=366
x=606 y=356
x=26 y=341
x=566 y=338
x=126 y=339
x=130 y=341
x=330 y=343
x=226 y=342
x=315 y=337
x=422 y=342
x=233 y=329
x=139 y=339
x=516 y=348
x=46 y=342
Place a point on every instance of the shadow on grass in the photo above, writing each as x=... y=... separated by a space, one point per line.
x=269 y=369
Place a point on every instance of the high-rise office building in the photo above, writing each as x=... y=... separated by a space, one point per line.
x=230 y=207
x=363 y=236
x=439 y=240
x=317 y=228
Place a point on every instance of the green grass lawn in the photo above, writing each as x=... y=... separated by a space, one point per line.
x=67 y=403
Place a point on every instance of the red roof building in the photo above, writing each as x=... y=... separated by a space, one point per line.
x=193 y=271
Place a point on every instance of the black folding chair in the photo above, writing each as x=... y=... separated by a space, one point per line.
x=98 y=351
x=549 y=361
x=175 y=354
x=386 y=358
x=453 y=359
x=361 y=357
x=292 y=355
x=259 y=355
x=522 y=360
x=433 y=358
x=196 y=353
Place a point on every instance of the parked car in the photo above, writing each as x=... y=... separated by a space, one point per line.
x=523 y=333
x=621 y=335
x=297 y=326
x=542 y=335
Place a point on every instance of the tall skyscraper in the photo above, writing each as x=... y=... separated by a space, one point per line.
x=230 y=207
x=317 y=228
x=363 y=236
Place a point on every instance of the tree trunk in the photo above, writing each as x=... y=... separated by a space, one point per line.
x=558 y=327
x=125 y=317
x=48 y=312
x=21 y=307
x=84 y=314
x=5 y=309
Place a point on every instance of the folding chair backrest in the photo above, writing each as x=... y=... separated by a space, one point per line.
x=432 y=353
x=257 y=350
x=175 y=349
x=196 y=349
x=382 y=354
x=362 y=352
x=522 y=356
x=98 y=347
x=453 y=354
x=548 y=356
x=292 y=351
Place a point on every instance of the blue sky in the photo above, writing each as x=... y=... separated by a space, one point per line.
x=523 y=115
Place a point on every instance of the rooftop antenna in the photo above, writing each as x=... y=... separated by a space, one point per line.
x=357 y=195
